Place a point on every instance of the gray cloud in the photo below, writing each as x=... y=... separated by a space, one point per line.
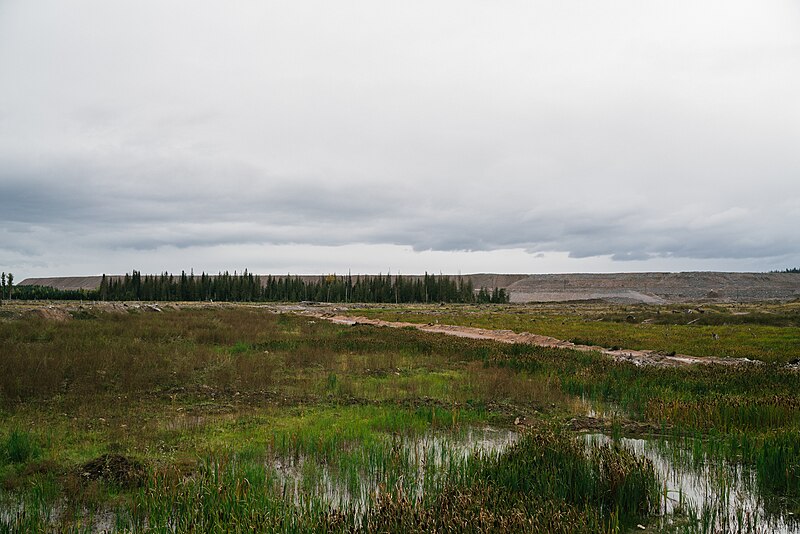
x=628 y=132
x=185 y=214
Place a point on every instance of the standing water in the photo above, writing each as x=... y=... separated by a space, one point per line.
x=707 y=495
x=414 y=465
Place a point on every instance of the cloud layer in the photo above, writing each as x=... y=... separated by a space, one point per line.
x=629 y=131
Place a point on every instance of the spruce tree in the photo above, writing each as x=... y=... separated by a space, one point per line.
x=104 y=288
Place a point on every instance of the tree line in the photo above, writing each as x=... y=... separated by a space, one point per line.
x=247 y=287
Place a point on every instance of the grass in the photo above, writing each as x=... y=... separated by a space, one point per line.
x=216 y=403
x=768 y=332
x=19 y=447
x=592 y=490
x=174 y=388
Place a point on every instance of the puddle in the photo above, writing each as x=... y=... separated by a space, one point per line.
x=414 y=465
x=10 y=511
x=722 y=496
x=598 y=409
x=15 y=515
x=434 y=451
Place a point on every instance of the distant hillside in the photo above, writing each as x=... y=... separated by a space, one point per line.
x=65 y=282
x=618 y=287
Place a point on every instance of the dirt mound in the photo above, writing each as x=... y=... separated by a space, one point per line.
x=114 y=468
x=50 y=313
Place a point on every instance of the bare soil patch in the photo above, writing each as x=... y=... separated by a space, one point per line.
x=50 y=313
x=628 y=427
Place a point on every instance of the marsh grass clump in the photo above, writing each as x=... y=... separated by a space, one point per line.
x=221 y=496
x=604 y=477
x=480 y=508
x=19 y=447
x=728 y=413
x=777 y=463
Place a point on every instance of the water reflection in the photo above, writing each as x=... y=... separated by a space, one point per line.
x=707 y=495
x=411 y=464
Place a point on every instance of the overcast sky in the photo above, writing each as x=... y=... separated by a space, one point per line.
x=458 y=135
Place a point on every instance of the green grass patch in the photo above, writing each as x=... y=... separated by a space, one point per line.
x=765 y=332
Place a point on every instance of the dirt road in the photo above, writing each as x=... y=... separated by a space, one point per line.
x=636 y=357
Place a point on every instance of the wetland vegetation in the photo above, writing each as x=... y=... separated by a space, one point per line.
x=235 y=418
